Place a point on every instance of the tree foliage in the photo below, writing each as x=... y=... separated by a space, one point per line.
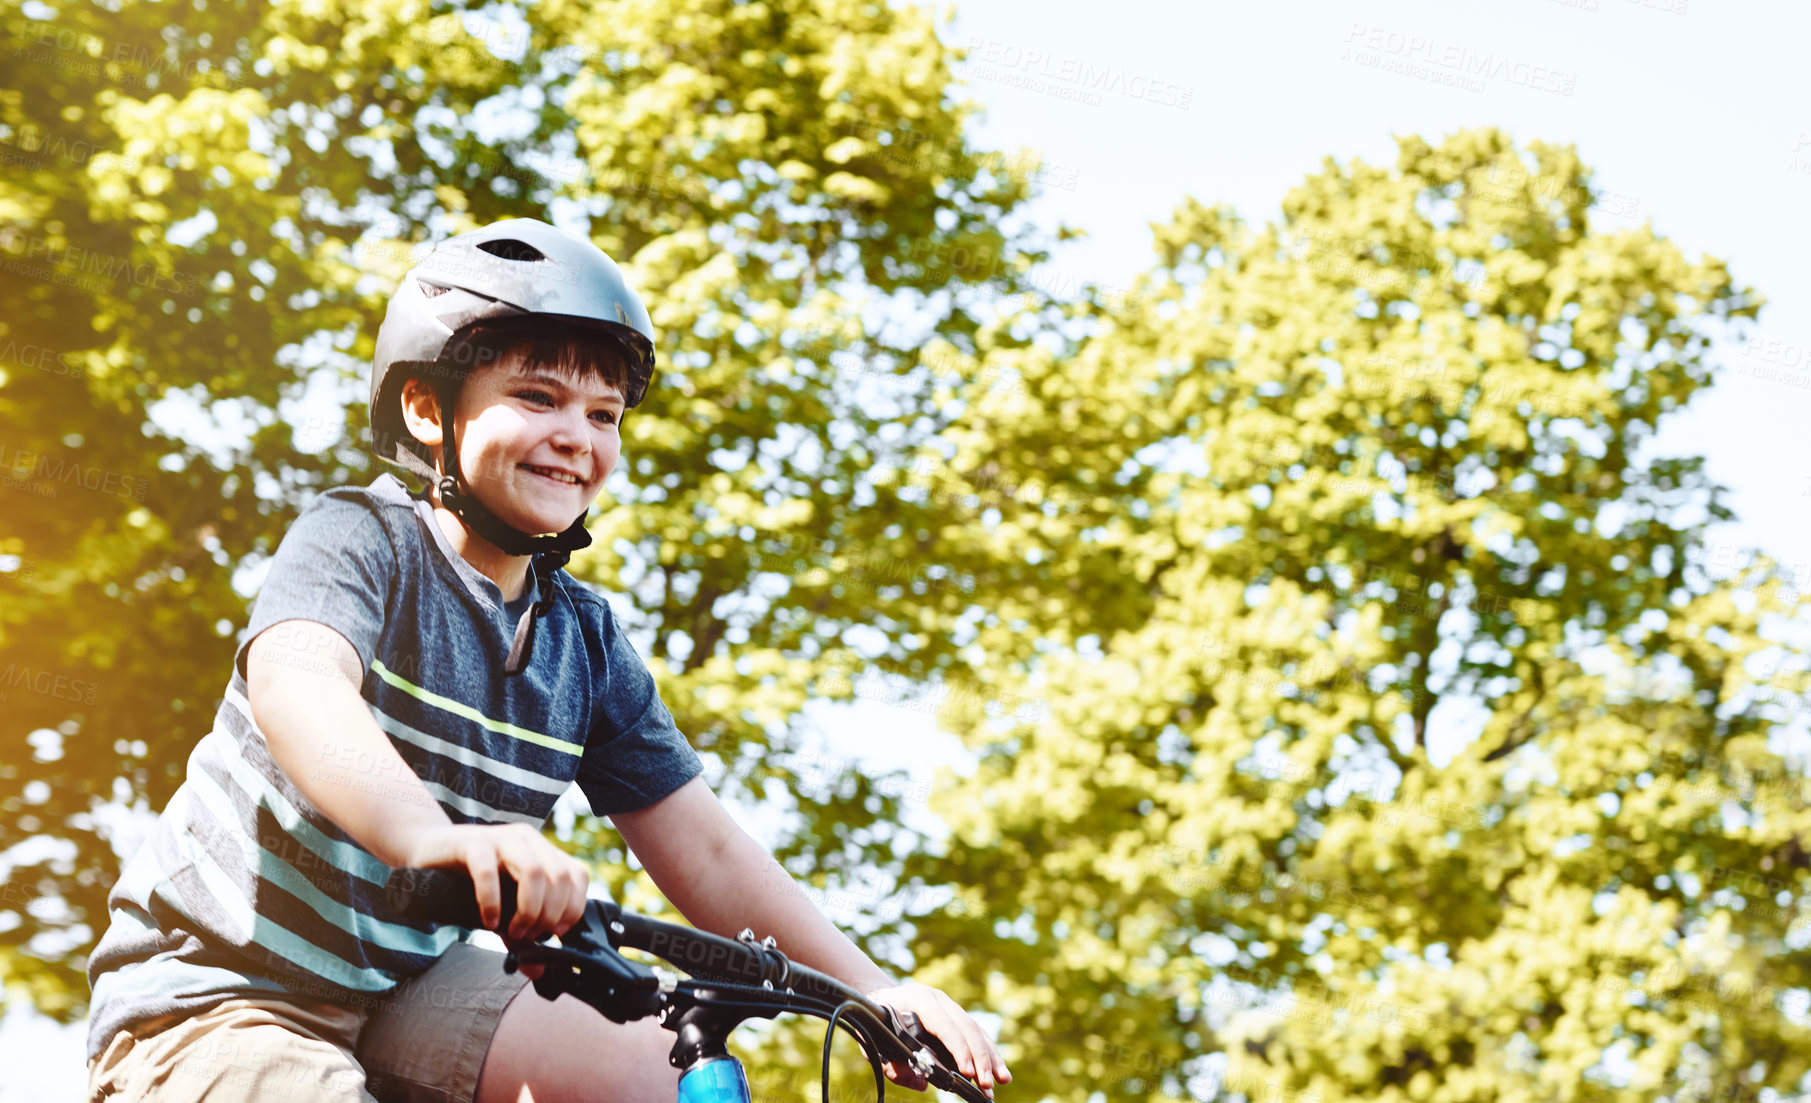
x=1403 y=736
x=1355 y=714
x=205 y=207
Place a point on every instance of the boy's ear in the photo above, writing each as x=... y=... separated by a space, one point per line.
x=421 y=412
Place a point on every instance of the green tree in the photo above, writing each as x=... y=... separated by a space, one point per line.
x=1402 y=736
x=205 y=208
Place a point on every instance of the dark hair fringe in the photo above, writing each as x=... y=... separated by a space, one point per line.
x=568 y=351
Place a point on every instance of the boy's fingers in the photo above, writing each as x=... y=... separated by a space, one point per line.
x=559 y=902
x=580 y=884
x=974 y=1051
x=968 y=1045
x=575 y=905
x=531 y=891
x=561 y=897
x=906 y=1078
x=488 y=890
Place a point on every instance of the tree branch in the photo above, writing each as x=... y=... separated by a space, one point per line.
x=667 y=617
x=704 y=628
x=1424 y=703
x=1524 y=728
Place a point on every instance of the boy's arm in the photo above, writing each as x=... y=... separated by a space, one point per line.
x=722 y=880
x=302 y=680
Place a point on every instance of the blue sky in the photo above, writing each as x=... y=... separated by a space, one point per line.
x=1696 y=116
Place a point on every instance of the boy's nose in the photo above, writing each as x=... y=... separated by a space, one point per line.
x=570 y=433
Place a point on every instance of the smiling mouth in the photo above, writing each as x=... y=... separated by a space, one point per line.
x=550 y=473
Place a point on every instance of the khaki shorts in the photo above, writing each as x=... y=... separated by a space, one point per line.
x=424 y=1041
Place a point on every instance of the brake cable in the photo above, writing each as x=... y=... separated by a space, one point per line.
x=868 y=1044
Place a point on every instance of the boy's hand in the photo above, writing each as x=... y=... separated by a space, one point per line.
x=975 y=1054
x=550 y=884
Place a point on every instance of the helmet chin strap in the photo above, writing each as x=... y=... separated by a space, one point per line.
x=458 y=497
x=478 y=517
x=550 y=551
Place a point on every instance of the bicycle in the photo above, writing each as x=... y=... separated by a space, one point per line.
x=733 y=980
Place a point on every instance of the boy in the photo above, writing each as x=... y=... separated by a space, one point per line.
x=419 y=683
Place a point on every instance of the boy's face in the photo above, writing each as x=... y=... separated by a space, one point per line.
x=536 y=445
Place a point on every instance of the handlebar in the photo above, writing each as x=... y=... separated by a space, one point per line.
x=735 y=979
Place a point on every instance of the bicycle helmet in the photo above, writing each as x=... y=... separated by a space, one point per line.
x=520 y=272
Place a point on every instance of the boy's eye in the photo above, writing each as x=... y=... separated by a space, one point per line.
x=542 y=398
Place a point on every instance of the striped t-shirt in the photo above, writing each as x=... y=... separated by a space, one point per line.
x=245 y=888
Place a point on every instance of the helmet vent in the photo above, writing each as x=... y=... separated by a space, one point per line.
x=511 y=249
x=429 y=290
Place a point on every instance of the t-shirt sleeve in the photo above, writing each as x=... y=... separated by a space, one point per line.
x=335 y=566
x=634 y=754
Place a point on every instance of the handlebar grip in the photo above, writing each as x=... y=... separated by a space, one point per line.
x=444 y=896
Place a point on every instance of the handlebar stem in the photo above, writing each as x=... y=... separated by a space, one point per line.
x=701 y=1034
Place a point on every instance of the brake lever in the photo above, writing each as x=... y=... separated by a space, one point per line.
x=939 y=1067
x=587 y=965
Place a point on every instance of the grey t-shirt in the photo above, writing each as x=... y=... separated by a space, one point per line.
x=245 y=888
